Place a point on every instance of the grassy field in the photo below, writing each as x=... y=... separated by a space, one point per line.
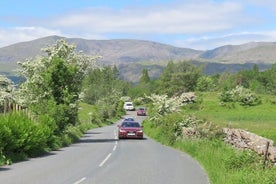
x=260 y=119
x=221 y=162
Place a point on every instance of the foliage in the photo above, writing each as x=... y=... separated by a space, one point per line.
x=178 y=78
x=102 y=83
x=205 y=83
x=162 y=105
x=145 y=77
x=141 y=89
x=268 y=78
x=234 y=166
x=102 y=87
x=242 y=95
x=7 y=91
x=53 y=83
x=259 y=119
x=21 y=138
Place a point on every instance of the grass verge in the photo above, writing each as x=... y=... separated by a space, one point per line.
x=222 y=163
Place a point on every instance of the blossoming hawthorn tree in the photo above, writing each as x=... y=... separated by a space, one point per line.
x=53 y=82
x=7 y=90
x=162 y=105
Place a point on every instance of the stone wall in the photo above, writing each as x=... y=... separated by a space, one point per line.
x=246 y=140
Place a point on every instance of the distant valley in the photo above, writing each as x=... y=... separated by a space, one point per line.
x=131 y=56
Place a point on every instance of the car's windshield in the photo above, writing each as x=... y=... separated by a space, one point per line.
x=129 y=119
x=130 y=124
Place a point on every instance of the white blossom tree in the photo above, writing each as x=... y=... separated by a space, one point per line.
x=53 y=82
x=6 y=91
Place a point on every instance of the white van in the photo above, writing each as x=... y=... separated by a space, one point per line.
x=128 y=106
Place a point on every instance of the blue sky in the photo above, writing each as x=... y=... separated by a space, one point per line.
x=197 y=24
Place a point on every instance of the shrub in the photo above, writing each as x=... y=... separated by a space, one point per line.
x=22 y=138
x=240 y=94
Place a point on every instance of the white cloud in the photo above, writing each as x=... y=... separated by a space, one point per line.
x=10 y=36
x=182 y=23
x=182 y=18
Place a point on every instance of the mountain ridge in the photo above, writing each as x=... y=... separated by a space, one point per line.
x=132 y=55
x=117 y=51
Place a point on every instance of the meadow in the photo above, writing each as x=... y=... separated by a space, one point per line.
x=259 y=119
x=223 y=163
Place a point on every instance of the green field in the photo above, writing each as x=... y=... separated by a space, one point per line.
x=260 y=119
x=223 y=163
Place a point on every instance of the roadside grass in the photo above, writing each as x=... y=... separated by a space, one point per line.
x=260 y=119
x=21 y=137
x=222 y=163
x=86 y=112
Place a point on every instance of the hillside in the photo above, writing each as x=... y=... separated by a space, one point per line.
x=131 y=56
x=112 y=51
x=253 y=52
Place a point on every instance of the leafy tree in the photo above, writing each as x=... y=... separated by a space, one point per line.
x=144 y=87
x=268 y=79
x=102 y=84
x=165 y=78
x=145 y=77
x=240 y=94
x=53 y=82
x=7 y=91
x=205 y=83
x=226 y=81
x=178 y=78
x=103 y=87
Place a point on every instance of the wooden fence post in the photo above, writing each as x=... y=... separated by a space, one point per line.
x=5 y=106
x=266 y=154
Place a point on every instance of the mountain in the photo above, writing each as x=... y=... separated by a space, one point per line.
x=131 y=56
x=253 y=52
x=112 y=51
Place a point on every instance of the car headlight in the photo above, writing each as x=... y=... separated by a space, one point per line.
x=122 y=131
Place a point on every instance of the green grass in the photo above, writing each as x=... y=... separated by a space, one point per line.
x=222 y=163
x=85 y=110
x=260 y=119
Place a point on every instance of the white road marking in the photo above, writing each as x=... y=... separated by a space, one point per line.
x=115 y=134
x=81 y=180
x=103 y=162
x=115 y=146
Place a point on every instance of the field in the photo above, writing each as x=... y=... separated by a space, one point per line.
x=222 y=163
x=260 y=119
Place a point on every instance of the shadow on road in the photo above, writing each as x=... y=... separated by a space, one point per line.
x=3 y=168
x=96 y=140
x=89 y=133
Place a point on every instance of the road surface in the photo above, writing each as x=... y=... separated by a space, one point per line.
x=100 y=158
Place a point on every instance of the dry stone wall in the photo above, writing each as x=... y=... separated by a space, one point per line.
x=246 y=140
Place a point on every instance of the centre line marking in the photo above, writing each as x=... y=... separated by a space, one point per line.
x=81 y=180
x=105 y=160
x=115 y=146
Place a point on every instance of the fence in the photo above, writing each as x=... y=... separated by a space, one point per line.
x=9 y=106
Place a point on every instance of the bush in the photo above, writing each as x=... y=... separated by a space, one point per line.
x=22 y=138
x=240 y=94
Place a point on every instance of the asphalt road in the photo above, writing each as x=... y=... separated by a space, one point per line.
x=100 y=158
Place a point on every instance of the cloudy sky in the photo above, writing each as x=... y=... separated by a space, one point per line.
x=197 y=24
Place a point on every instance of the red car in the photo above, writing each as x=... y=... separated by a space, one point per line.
x=130 y=129
x=141 y=111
